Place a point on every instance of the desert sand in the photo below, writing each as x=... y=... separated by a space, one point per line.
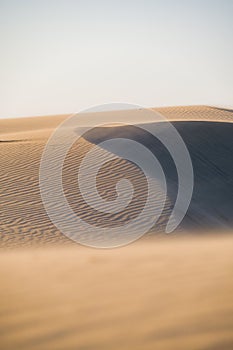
x=161 y=292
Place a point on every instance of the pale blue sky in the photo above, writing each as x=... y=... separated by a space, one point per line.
x=62 y=56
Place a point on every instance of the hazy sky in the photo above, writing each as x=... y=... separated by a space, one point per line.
x=62 y=56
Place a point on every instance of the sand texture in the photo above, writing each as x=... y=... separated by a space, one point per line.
x=162 y=292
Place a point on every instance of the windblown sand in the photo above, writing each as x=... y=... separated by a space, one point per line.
x=162 y=292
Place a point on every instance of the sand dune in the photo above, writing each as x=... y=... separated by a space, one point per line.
x=23 y=218
x=162 y=292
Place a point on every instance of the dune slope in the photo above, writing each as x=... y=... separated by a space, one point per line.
x=24 y=220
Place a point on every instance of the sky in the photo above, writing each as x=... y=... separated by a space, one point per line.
x=64 y=56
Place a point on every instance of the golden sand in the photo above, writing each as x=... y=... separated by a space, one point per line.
x=163 y=292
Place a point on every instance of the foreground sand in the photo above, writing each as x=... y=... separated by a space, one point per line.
x=163 y=292
x=153 y=294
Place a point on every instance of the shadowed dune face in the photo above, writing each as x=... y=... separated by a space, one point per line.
x=23 y=217
x=210 y=146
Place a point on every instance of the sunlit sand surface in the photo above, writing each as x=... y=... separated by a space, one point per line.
x=162 y=292
x=153 y=294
